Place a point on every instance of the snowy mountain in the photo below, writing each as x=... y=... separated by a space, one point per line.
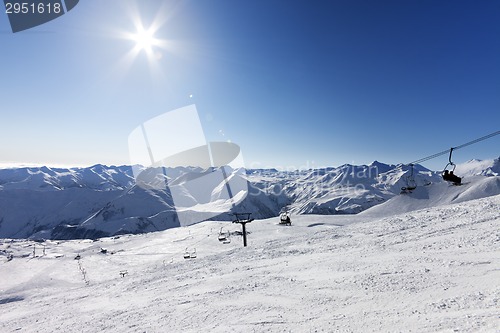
x=479 y=168
x=430 y=270
x=348 y=189
x=99 y=201
x=97 y=177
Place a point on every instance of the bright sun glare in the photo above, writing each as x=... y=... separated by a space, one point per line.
x=144 y=39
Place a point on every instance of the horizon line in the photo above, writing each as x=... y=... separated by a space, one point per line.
x=19 y=165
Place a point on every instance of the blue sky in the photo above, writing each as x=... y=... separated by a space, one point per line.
x=294 y=83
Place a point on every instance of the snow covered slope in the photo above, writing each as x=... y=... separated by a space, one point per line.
x=49 y=203
x=432 y=270
x=479 y=167
x=437 y=195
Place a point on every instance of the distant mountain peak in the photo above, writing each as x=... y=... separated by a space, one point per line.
x=99 y=200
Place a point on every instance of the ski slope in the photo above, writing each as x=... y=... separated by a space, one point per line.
x=428 y=270
x=437 y=194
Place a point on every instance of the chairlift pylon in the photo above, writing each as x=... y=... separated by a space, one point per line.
x=243 y=219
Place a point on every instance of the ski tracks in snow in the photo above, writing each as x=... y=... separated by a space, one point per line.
x=430 y=270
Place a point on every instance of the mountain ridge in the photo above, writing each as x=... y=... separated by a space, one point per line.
x=98 y=201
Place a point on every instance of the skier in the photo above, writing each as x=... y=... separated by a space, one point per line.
x=451 y=177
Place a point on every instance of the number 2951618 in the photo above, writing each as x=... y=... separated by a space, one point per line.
x=32 y=8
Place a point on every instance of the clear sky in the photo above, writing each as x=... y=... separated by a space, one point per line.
x=295 y=83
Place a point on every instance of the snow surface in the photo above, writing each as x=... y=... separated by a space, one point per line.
x=431 y=270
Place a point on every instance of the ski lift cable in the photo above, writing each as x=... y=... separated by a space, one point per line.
x=455 y=148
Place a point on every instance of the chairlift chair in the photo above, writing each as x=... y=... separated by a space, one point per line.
x=285 y=219
x=411 y=184
x=224 y=236
x=448 y=174
x=187 y=254
x=450 y=163
x=190 y=254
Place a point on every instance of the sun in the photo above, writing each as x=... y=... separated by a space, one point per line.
x=144 y=39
